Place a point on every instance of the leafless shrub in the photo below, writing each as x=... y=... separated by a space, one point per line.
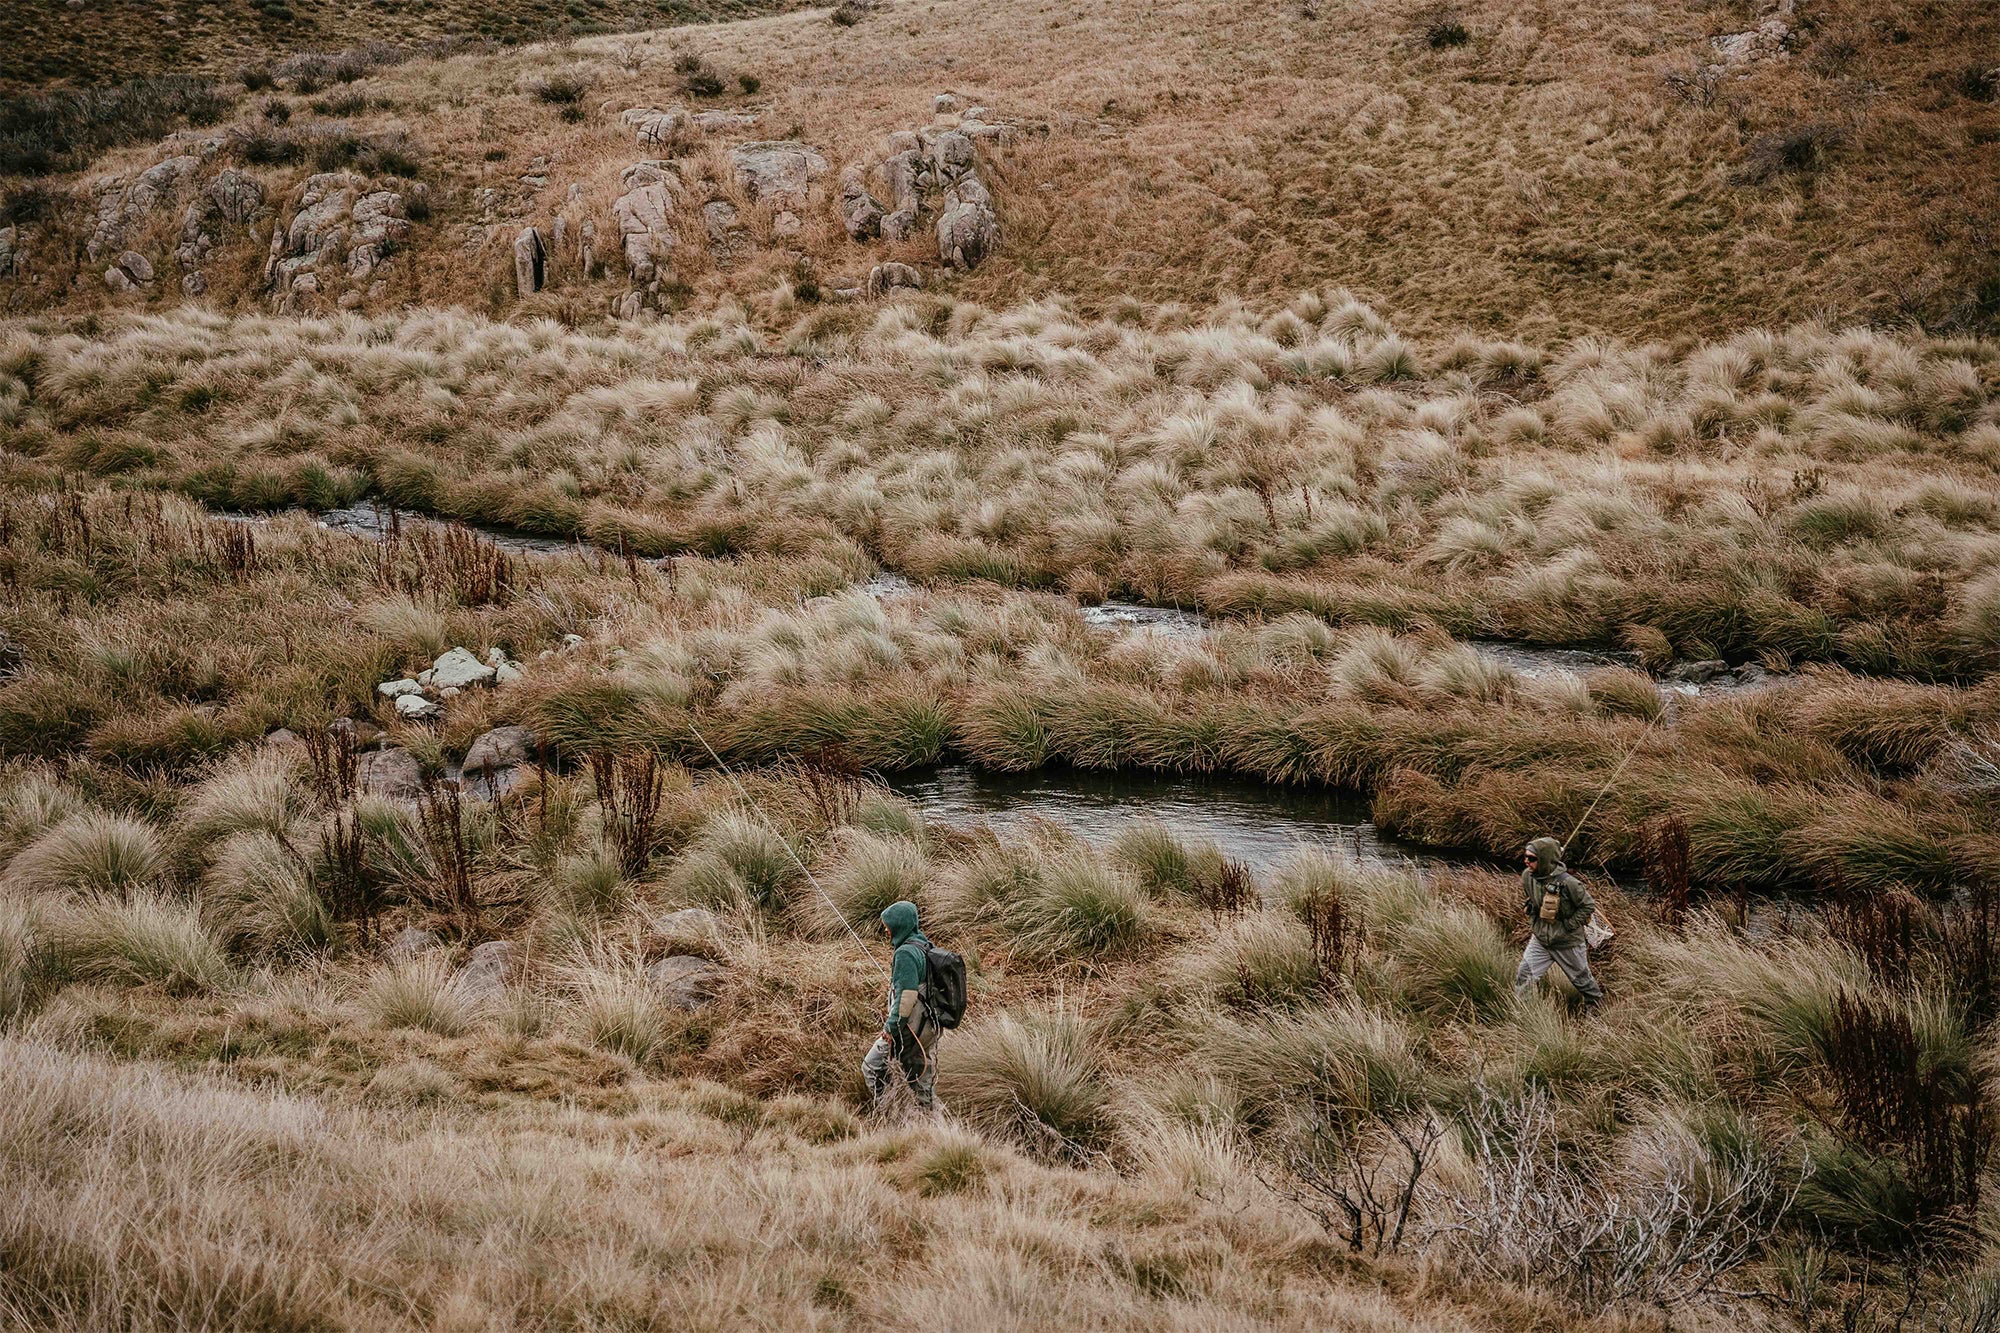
x=349 y=888
x=1891 y=1100
x=1667 y=850
x=1800 y=151
x=1697 y=83
x=1227 y=890
x=629 y=789
x=1542 y=1217
x=330 y=752
x=1363 y=1190
x=1334 y=931
x=441 y=816
x=450 y=557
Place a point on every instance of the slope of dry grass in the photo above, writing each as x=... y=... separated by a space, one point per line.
x=1541 y=179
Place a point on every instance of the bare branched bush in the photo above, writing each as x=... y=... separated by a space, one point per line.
x=1362 y=1187
x=441 y=816
x=1544 y=1215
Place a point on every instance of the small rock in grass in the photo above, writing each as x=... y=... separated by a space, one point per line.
x=408 y=942
x=393 y=773
x=687 y=980
x=396 y=689
x=499 y=749
x=457 y=669
x=486 y=974
x=415 y=707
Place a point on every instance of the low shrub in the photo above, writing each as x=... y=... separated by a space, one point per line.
x=62 y=130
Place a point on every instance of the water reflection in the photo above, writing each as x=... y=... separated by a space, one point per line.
x=1252 y=822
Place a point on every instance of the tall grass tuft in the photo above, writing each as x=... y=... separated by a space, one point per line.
x=148 y=939
x=420 y=993
x=260 y=894
x=91 y=852
x=1165 y=866
x=1074 y=909
x=257 y=794
x=871 y=872
x=735 y=861
x=1034 y=1078
x=30 y=964
x=1452 y=959
x=1257 y=960
x=1341 y=1063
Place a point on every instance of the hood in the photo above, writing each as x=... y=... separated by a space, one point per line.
x=901 y=919
x=1548 y=849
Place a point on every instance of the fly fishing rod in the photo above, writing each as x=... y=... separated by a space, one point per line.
x=1605 y=790
x=805 y=870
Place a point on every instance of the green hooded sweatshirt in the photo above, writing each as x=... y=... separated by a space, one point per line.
x=906 y=971
x=1574 y=904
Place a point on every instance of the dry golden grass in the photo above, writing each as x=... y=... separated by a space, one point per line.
x=1540 y=180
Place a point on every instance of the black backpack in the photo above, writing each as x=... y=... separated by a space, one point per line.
x=943 y=991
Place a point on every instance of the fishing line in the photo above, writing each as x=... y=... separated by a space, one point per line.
x=787 y=844
x=1605 y=790
x=806 y=870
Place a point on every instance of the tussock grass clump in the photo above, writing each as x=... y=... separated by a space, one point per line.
x=871 y=872
x=618 y=1008
x=736 y=861
x=1073 y=908
x=91 y=853
x=30 y=963
x=31 y=805
x=419 y=993
x=1453 y=959
x=1165 y=866
x=1258 y=959
x=1342 y=1062
x=256 y=794
x=1035 y=1079
x=149 y=939
x=261 y=894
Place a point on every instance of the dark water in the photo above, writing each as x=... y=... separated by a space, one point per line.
x=1252 y=822
x=375 y=521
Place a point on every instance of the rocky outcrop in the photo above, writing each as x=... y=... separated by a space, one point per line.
x=928 y=178
x=656 y=127
x=531 y=257
x=859 y=211
x=231 y=200
x=339 y=226
x=455 y=671
x=645 y=213
x=124 y=202
x=777 y=169
x=885 y=278
x=968 y=230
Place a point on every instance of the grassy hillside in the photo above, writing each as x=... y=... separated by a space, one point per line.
x=1392 y=346
x=1561 y=170
x=101 y=42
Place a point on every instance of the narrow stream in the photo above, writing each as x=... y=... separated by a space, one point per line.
x=1252 y=822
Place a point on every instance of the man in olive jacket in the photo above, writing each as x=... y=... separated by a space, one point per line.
x=1559 y=907
x=910 y=1031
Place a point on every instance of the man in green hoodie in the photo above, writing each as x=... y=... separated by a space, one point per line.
x=910 y=1031
x=1559 y=907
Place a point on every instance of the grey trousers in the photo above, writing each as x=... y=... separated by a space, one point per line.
x=1574 y=962
x=919 y=1072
